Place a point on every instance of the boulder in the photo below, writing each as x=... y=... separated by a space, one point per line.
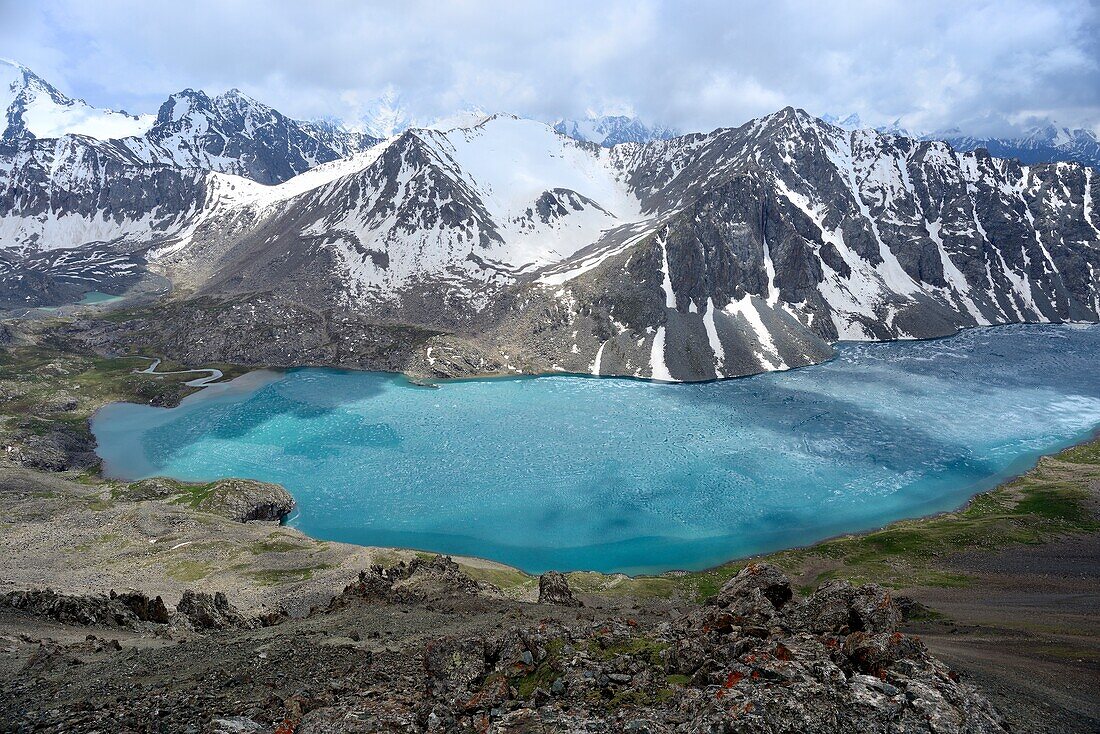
x=874 y=653
x=839 y=607
x=772 y=584
x=453 y=666
x=554 y=589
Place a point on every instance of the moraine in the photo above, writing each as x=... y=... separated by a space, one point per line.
x=623 y=475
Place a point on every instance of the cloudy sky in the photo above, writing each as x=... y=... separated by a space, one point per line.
x=982 y=66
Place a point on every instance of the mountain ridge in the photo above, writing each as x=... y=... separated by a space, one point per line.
x=1043 y=143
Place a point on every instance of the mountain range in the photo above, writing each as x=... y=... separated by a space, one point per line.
x=1047 y=143
x=505 y=246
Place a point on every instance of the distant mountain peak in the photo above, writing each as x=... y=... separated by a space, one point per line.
x=851 y=121
x=1044 y=143
x=387 y=116
x=609 y=130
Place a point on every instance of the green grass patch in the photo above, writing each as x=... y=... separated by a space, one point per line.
x=639 y=648
x=542 y=677
x=280 y=576
x=98 y=504
x=1086 y=453
x=1063 y=503
x=275 y=546
x=187 y=570
x=505 y=579
x=194 y=495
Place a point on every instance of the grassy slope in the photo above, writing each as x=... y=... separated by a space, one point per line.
x=1050 y=501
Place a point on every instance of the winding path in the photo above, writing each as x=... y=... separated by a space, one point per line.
x=213 y=376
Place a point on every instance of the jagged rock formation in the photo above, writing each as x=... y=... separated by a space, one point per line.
x=202 y=611
x=408 y=582
x=507 y=247
x=114 y=610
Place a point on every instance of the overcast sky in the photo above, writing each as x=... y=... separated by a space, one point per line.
x=694 y=65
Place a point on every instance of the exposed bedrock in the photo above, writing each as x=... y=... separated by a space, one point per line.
x=757 y=659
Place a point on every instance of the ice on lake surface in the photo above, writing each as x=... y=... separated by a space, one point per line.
x=627 y=475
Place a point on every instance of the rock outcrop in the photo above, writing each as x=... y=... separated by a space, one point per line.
x=554 y=589
x=245 y=500
x=757 y=660
x=415 y=581
x=115 y=610
x=201 y=611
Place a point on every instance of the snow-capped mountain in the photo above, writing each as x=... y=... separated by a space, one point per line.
x=847 y=122
x=608 y=130
x=233 y=133
x=33 y=108
x=386 y=116
x=1047 y=143
x=230 y=133
x=1044 y=144
x=507 y=246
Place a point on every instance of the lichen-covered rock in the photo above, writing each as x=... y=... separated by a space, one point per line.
x=554 y=589
x=769 y=580
x=839 y=607
x=452 y=666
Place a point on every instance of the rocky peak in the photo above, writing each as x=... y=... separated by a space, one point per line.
x=34 y=108
x=182 y=104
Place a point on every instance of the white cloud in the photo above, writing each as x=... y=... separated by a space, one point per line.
x=699 y=65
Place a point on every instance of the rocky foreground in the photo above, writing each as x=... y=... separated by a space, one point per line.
x=421 y=647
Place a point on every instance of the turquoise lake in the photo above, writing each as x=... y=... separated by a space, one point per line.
x=95 y=297
x=626 y=475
